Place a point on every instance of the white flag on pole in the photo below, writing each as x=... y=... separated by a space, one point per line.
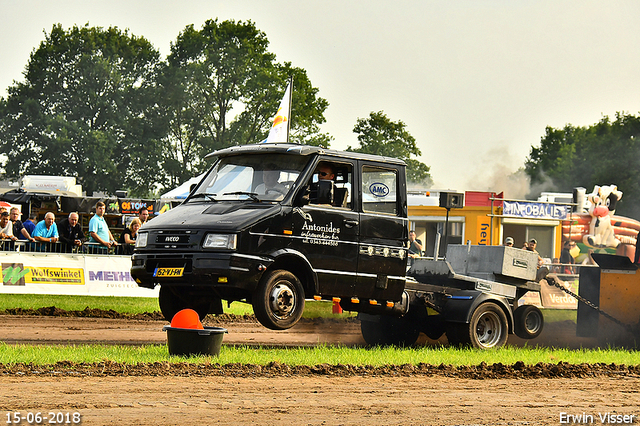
x=278 y=132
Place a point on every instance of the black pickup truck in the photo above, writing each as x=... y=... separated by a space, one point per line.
x=275 y=224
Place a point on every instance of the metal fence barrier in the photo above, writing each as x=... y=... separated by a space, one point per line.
x=58 y=247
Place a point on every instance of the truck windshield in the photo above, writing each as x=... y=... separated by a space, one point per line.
x=263 y=177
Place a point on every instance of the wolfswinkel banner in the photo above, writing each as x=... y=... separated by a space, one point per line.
x=67 y=274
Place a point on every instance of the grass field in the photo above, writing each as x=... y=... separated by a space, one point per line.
x=333 y=355
x=128 y=305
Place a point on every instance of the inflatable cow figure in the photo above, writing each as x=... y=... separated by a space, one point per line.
x=602 y=206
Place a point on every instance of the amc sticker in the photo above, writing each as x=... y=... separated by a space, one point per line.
x=379 y=189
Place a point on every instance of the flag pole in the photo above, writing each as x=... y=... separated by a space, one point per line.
x=290 y=103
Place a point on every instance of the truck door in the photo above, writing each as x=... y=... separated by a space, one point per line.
x=327 y=234
x=383 y=233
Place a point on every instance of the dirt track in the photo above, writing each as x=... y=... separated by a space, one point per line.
x=277 y=394
x=54 y=326
x=320 y=400
x=75 y=330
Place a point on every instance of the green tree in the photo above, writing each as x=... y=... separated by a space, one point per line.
x=222 y=87
x=380 y=136
x=607 y=152
x=86 y=108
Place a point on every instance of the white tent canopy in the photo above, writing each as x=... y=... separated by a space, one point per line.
x=182 y=191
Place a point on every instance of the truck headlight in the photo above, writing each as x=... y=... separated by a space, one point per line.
x=220 y=241
x=141 y=241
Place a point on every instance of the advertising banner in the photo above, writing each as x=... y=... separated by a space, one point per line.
x=534 y=210
x=111 y=276
x=551 y=297
x=67 y=274
x=132 y=206
x=554 y=298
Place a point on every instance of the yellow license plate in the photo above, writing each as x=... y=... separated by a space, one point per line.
x=168 y=272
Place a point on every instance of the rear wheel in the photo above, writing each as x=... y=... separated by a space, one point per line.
x=434 y=327
x=389 y=331
x=372 y=333
x=171 y=303
x=278 y=302
x=528 y=322
x=487 y=328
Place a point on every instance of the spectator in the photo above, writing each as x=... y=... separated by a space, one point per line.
x=533 y=243
x=415 y=245
x=46 y=230
x=71 y=235
x=129 y=236
x=6 y=227
x=565 y=257
x=99 y=230
x=508 y=242
x=143 y=215
x=30 y=224
x=18 y=227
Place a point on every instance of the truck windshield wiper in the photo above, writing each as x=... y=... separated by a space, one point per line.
x=206 y=195
x=253 y=195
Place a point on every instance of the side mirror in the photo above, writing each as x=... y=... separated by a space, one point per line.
x=322 y=192
x=302 y=198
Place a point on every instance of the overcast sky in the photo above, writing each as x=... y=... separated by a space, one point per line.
x=476 y=82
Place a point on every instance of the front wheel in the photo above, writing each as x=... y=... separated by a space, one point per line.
x=279 y=300
x=487 y=329
x=171 y=303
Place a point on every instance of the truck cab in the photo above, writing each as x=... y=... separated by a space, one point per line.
x=275 y=224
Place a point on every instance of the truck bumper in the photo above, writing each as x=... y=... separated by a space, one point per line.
x=223 y=271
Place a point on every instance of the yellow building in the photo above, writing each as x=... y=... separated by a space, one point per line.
x=483 y=221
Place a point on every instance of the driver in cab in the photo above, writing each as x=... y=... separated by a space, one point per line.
x=270 y=184
x=325 y=172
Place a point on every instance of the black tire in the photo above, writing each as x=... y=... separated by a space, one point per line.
x=372 y=333
x=171 y=303
x=528 y=322
x=457 y=334
x=434 y=327
x=278 y=302
x=487 y=329
x=200 y=306
x=389 y=331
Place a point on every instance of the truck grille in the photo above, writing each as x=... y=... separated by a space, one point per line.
x=173 y=239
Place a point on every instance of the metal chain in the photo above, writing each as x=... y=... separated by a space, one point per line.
x=628 y=327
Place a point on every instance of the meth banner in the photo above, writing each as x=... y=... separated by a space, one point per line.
x=111 y=276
